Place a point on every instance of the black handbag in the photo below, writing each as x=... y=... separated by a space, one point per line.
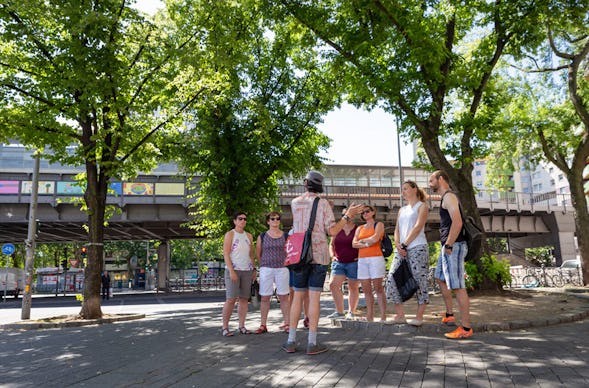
x=406 y=283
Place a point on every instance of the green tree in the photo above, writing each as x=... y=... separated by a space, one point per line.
x=550 y=117
x=433 y=64
x=565 y=139
x=263 y=126
x=188 y=253
x=98 y=85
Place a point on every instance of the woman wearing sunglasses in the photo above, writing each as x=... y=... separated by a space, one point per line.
x=371 y=263
x=411 y=245
x=273 y=273
x=238 y=252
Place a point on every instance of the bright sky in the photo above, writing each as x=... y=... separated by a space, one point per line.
x=358 y=137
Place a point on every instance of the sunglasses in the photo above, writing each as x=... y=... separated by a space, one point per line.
x=242 y=218
x=366 y=211
x=274 y=218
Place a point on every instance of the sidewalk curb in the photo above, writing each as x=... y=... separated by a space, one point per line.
x=428 y=328
x=34 y=325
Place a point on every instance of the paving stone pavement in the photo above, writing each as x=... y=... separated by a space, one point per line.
x=184 y=348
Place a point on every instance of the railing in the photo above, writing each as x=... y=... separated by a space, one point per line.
x=531 y=277
x=55 y=191
x=490 y=199
x=200 y=284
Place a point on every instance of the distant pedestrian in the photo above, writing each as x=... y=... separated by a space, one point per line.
x=450 y=269
x=312 y=278
x=371 y=262
x=105 y=281
x=411 y=245
x=273 y=273
x=238 y=253
x=344 y=266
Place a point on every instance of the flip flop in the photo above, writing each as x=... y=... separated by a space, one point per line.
x=226 y=333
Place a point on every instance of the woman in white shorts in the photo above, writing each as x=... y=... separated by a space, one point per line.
x=371 y=263
x=273 y=273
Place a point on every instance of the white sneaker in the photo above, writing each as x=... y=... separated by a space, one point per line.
x=349 y=316
x=415 y=322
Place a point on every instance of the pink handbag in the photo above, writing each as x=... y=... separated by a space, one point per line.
x=299 y=252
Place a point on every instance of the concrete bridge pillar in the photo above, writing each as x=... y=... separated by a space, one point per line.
x=163 y=266
x=561 y=236
x=565 y=229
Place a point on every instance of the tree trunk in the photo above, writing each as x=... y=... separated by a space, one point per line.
x=581 y=217
x=95 y=198
x=461 y=183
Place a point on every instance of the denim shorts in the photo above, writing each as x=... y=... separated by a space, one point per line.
x=311 y=277
x=349 y=270
x=450 y=268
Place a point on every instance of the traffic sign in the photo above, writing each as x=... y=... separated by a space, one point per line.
x=8 y=249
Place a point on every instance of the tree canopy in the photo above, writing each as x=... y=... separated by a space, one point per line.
x=262 y=126
x=433 y=64
x=99 y=85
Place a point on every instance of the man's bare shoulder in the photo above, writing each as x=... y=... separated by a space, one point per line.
x=449 y=200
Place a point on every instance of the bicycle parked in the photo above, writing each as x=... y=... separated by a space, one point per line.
x=569 y=276
x=540 y=278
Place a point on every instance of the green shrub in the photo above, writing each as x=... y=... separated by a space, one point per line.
x=473 y=276
x=493 y=269
x=497 y=270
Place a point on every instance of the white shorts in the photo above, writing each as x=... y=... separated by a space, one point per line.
x=371 y=268
x=274 y=276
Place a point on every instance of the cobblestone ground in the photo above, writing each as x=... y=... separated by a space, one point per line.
x=181 y=346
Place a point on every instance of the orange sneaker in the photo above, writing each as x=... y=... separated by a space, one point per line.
x=459 y=333
x=450 y=321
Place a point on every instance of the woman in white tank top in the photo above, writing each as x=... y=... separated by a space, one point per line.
x=411 y=245
x=238 y=253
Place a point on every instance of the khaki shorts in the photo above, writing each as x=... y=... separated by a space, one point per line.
x=242 y=288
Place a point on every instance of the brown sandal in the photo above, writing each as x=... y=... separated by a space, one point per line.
x=227 y=333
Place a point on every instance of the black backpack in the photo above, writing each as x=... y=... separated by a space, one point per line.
x=386 y=245
x=473 y=236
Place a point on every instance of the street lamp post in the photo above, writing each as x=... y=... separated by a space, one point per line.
x=30 y=243
x=401 y=179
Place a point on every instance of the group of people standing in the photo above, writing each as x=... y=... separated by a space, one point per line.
x=355 y=255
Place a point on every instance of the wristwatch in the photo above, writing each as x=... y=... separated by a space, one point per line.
x=346 y=217
x=448 y=246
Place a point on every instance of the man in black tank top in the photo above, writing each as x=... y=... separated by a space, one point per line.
x=450 y=269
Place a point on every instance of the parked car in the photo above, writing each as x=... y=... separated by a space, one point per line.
x=571 y=264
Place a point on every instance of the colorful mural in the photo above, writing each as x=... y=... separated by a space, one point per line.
x=13 y=187
x=9 y=187
x=169 y=189
x=44 y=187
x=70 y=188
x=137 y=188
